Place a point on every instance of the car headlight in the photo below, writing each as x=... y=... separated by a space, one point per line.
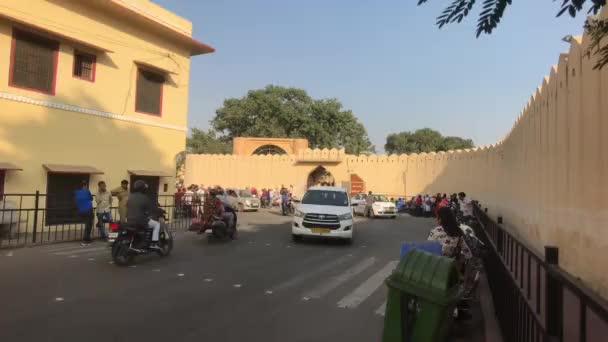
x=248 y=202
x=347 y=216
x=298 y=213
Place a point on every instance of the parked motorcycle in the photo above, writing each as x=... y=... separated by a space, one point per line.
x=132 y=241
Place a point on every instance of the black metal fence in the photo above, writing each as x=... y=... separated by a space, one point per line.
x=30 y=219
x=535 y=300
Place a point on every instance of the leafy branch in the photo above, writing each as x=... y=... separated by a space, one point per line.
x=492 y=12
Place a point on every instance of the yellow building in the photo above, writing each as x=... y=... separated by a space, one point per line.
x=92 y=90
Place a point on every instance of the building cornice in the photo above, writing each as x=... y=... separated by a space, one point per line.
x=87 y=111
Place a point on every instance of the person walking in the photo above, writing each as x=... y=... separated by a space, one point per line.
x=122 y=193
x=369 y=201
x=84 y=205
x=103 y=199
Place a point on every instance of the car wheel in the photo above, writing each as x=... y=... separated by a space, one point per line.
x=296 y=238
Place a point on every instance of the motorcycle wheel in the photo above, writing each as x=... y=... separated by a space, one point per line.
x=120 y=252
x=166 y=243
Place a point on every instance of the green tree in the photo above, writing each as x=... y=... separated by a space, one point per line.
x=493 y=11
x=200 y=142
x=280 y=112
x=423 y=140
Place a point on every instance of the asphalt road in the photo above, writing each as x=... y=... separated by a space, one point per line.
x=262 y=287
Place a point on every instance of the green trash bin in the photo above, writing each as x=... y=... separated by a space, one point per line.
x=423 y=291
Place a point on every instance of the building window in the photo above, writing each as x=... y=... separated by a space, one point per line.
x=269 y=149
x=149 y=94
x=84 y=66
x=60 y=205
x=33 y=62
x=2 y=173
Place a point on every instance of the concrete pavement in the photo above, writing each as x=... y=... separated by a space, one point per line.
x=262 y=287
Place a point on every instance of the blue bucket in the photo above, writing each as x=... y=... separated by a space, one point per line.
x=433 y=247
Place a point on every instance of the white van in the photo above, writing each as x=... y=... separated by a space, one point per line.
x=325 y=212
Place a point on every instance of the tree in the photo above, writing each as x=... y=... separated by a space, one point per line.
x=493 y=10
x=199 y=142
x=423 y=140
x=280 y=112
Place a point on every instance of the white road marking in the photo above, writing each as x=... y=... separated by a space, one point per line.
x=110 y=262
x=237 y=285
x=81 y=251
x=156 y=270
x=59 y=299
x=381 y=310
x=133 y=266
x=337 y=280
x=9 y=254
x=361 y=293
x=268 y=292
x=267 y=244
x=363 y=246
x=73 y=256
x=208 y=280
x=250 y=242
x=304 y=276
x=91 y=259
x=180 y=274
x=306 y=299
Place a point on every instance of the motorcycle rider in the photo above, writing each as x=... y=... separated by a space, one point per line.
x=219 y=212
x=140 y=209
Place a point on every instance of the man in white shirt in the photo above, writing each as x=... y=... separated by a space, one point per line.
x=466 y=205
x=103 y=199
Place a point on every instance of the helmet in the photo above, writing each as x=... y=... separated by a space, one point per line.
x=139 y=185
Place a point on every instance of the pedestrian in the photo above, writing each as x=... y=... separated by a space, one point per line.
x=84 y=205
x=122 y=193
x=369 y=201
x=466 y=205
x=103 y=199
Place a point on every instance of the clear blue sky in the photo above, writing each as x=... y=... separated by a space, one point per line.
x=383 y=59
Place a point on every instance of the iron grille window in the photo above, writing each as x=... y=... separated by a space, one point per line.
x=33 y=63
x=269 y=149
x=84 y=66
x=149 y=96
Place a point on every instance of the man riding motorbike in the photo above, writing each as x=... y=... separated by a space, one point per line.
x=140 y=209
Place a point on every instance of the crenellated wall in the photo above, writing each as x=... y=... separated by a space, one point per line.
x=548 y=177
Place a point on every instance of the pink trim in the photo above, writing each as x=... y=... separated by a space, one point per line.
x=94 y=67
x=55 y=64
x=162 y=87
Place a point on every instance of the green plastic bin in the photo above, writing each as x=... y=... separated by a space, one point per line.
x=423 y=291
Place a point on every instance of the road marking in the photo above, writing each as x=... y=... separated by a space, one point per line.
x=208 y=280
x=304 y=276
x=268 y=292
x=337 y=280
x=59 y=299
x=237 y=285
x=82 y=251
x=361 y=293
x=73 y=256
x=306 y=299
x=133 y=266
x=110 y=262
x=381 y=310
x=9 y=254
x=91 y=259
x=267 y=244
x=156 y=270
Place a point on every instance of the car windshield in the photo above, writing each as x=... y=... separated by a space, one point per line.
x=324 y=197
x=380 y=198
x=245 y=193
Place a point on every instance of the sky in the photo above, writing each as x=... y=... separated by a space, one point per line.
x=384 y=59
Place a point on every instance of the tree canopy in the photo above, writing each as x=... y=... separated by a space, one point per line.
x=207 y=142
x=492 y=12
x=423 y=140
x=280 y=112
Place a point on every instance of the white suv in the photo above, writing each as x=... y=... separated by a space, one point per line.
x=323 y=211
